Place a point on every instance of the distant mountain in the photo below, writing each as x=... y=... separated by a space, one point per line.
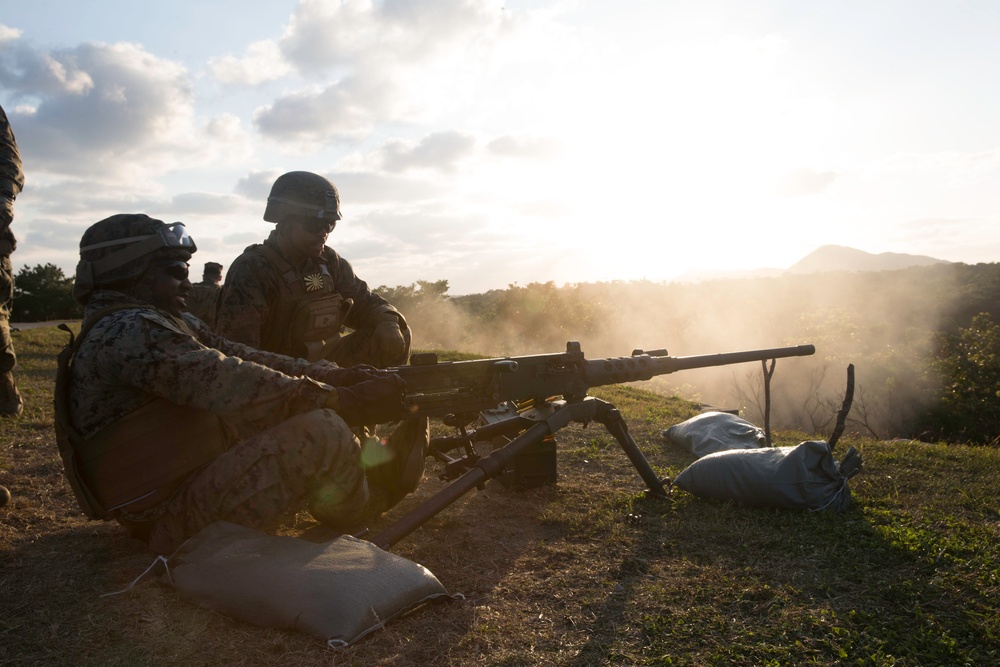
x=840 y=258
x=823 y=259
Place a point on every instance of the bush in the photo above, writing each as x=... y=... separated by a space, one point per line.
x=969 y=407
x=44 y=293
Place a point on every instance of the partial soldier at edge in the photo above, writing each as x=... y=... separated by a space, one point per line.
x=11 y=184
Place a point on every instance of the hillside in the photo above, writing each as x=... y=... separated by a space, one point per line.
x=841 y=258
x=825 y=259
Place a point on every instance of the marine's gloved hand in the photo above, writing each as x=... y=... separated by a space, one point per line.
x=391 y=346
x=345 y=377
x=370 y=402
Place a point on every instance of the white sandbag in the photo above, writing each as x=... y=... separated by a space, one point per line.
x=805 y=476
x=712 y=432
x=340 y=590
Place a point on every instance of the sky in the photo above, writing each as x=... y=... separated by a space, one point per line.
x=491 y=144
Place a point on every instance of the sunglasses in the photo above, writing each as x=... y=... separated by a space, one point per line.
x=317 y=225
x=176 y=270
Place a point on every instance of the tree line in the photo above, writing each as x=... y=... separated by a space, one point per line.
x=925 y=341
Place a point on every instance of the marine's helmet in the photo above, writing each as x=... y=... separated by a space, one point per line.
x=116 y=251
x=302 y=194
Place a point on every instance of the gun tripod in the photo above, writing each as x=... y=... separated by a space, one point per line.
x=533 y=426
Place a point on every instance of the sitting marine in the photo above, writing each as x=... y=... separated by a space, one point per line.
x=167 y=427
x=295 y=295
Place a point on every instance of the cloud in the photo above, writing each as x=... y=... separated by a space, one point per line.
x=323 y=35
x=952 y=168
x=257 y=184
x=262 y=62
x=442 y=151
x=361 y=188
x=226 y=128
x=525 y=147
x=98 y=110
x=345 y=110
x=804 y=182
x=200 y=203
x=82 y=198
x=363 y=63
x=51 y=235
x=8 y=34
x=955 y=239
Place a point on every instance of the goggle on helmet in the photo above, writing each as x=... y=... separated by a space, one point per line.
x=171 y=236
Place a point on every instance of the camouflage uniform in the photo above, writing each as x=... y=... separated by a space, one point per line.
x=203 y=301
x=258 y=304
x=11 y=183
x=287 y=447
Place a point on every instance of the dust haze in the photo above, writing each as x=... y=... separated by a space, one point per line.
x=882 y=322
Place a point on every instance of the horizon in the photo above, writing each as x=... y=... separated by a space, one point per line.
x=536 y=142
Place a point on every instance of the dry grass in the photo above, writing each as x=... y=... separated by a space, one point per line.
x=588 y=572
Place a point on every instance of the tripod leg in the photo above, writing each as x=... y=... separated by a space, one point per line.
x=612 y=419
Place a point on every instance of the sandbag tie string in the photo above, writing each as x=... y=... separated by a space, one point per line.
x=156 y=561
x=850 y=466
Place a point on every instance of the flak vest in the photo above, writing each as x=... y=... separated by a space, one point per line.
x=308 y=321
x=137 y=462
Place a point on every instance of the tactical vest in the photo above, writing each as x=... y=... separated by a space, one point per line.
x=308 y=319
x=137 y=462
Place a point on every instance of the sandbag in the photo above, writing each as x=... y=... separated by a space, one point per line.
x=712 y=432
x=805 y=476
x=339 y=590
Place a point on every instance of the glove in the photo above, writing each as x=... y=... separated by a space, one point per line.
x=389 y=343
x=345 y=377
x=370 y=402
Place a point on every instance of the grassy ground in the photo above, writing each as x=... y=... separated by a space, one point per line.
x=587 y=572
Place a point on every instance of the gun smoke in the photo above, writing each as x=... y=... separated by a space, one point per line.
x=882 y=322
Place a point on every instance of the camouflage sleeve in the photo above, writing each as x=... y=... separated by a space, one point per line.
x=11 y=180
x=245 y=301
x=292 y=366
x=11 y=176
x=176 y=366
x=369 y=307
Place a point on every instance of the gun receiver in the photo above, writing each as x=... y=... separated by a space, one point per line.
x=544 y=393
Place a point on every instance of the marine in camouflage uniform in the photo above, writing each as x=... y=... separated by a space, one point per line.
x=294 y=295
x=203 y=300
x=11 y=183
x=283 y=418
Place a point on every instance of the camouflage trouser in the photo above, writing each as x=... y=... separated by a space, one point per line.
x=7 y=358
x=312 y=457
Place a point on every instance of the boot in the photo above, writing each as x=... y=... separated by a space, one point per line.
x=398 y=466
x=11 y=404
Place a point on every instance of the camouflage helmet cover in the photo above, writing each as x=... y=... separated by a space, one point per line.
x=302 y=194
x=118 y=250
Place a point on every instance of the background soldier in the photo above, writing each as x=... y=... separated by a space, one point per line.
x=169 y=430
x=11 y=183
x=203 y=300
x=294 y=295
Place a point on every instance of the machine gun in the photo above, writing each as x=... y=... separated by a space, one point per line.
x=530 y=398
